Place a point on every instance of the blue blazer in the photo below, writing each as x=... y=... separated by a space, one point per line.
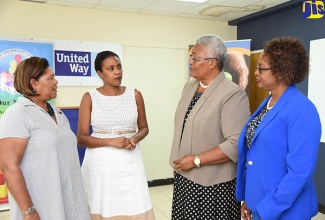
x=275 y=175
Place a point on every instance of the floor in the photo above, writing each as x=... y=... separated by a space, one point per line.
x=161 y=198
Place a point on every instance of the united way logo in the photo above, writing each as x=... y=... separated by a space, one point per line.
x=313 y=9
x=9 y=60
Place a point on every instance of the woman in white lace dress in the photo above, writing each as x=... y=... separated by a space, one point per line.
x=112 y=168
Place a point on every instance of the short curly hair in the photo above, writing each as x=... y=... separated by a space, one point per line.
x=216 y=46
x=288 y=59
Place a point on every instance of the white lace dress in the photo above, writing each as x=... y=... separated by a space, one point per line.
x=115 y=179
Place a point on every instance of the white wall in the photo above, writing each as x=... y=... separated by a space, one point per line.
x=155 y=58
x=316 y=79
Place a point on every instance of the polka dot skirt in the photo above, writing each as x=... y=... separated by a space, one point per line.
x=192 y=201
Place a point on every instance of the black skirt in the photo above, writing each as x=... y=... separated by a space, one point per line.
x=193 y=201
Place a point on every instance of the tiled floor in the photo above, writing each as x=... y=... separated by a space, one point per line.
x=161 y=198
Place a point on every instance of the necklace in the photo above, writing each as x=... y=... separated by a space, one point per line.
x=50 y=110
x=203 y=86
x=268 y=104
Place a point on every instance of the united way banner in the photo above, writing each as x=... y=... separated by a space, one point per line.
x=74 y=61
x=11 y=54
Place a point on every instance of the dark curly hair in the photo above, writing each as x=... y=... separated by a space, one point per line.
x=288 y=59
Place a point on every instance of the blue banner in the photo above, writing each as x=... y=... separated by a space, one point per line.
x=72 y=63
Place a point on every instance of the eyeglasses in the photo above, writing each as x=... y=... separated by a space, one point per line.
x=197 y=59
x=261 y=69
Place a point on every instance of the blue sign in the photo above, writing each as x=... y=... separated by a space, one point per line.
x=72 y=63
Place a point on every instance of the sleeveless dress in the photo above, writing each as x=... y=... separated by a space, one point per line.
x=115 y=179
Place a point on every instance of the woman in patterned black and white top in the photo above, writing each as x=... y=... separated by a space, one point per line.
x=278 y=146
x=208 y=120
x=113 y=169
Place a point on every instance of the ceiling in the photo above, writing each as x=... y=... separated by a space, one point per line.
x=216 y=10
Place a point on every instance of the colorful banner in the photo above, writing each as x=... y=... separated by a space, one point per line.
x=73 y=63
x=11 y=54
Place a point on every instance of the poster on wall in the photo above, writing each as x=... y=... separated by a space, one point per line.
x=11 y=54
x=74 y=61
x=236 y=67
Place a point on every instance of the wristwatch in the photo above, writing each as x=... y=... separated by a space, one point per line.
x=29 y=210
x=197 y=161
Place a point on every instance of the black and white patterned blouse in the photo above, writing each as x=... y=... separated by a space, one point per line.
x=195 y=98
x=253 y=125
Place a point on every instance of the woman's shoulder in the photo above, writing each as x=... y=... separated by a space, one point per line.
x=14 y=110
x=92 y=91
x=192 y=82
x=298 y=99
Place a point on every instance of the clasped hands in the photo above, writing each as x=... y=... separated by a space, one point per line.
x=125 y=143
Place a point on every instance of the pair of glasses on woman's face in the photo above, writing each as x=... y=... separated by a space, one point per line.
x=261 y=69
x=198 y=59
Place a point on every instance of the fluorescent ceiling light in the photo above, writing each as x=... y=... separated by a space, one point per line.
x=196 y=1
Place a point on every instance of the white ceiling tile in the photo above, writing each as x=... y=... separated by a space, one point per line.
x=235 y=15
x=196 y=16
x=210 y=10
x=271 y=3
x=197 y=9
x=233 y=3
x=81 y=2
x=171 y=6
x=173 y=14
x=117 y=9
x=73 y=4
x=136 y=4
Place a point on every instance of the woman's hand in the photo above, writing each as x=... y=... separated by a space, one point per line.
x=245 y=212
x=121 y=143
x=185 y=163
x=131 y=144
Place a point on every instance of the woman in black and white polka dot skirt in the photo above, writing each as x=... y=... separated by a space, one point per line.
x=208 y=121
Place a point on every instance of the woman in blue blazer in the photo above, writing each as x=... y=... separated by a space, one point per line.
x=278 y=147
